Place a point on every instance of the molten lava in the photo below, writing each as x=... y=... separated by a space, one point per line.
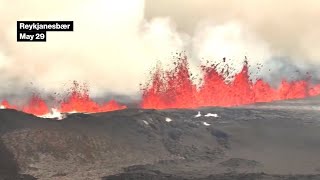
x=314 y=91
x=5 y=105
x=77 y=101
x=174 y=89
x=36 y=106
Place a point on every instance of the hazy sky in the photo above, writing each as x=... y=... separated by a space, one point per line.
x=116 y=43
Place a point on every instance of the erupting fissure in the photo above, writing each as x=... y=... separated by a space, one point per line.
x=175 y=89
x=78 y=100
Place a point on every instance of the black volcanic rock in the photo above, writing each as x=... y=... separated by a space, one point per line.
x=9 y=169
x=240 y=143
x=232 y=176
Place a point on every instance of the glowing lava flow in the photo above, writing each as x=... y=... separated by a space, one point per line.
x=78 y=101
x=174 y=89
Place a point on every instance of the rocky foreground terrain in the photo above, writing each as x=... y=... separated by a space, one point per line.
x=248 y=143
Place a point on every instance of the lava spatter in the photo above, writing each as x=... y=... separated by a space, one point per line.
x=6 y=105
x=78 y=100
x=174 y=88
x=36 y=106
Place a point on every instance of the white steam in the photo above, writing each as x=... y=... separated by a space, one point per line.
x=114 y=46
x=232 y=41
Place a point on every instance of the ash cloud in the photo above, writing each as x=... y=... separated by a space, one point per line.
x=116 y=42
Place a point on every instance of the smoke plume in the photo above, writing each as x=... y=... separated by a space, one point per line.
x=115 y=43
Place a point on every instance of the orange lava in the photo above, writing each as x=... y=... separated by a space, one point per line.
x=315 y=90
x=36 y=106
x=175 y=89
x=77 y=101
x=6 y=105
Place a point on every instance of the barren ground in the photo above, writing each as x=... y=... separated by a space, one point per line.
x=274 y=141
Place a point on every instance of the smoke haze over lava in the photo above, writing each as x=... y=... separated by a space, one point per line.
x=115 y=43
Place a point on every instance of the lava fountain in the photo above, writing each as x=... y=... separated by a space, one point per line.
x=78 y=100
x=175 y=89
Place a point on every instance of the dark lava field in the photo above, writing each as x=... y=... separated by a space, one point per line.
x=279 y=140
